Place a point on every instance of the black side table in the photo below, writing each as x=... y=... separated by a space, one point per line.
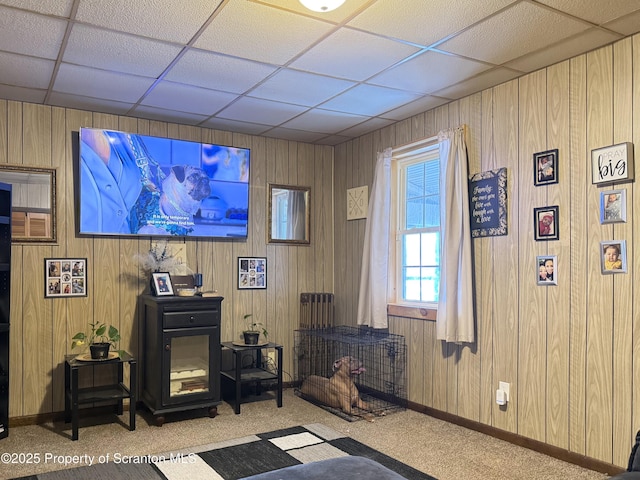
x=75 y=396
x=257 y=374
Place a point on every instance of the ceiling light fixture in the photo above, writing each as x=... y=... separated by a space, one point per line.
x=322 y=5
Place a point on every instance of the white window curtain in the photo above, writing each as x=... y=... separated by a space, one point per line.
x=455 y=320
x=296 y=226
x=372 y=302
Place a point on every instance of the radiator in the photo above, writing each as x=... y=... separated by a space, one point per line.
x=316 y=310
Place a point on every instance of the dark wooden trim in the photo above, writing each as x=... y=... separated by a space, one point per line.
x=514 y=438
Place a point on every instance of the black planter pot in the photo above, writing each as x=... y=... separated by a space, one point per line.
x=251 y=338
x=99 y=351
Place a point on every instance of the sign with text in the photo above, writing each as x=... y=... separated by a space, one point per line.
x=488 y=203
x=613 y=164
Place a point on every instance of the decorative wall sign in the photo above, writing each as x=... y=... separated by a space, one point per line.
x=252 y=272
x=545 y=167
x=357 y=202
x=545 y=223
x=488 y=203
x=612 y=164
x=65 y=277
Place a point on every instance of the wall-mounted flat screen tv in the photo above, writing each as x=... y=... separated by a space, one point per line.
x=133 y=184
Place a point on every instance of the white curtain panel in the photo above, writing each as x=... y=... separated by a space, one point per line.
x=372 y=302
x=455 y=320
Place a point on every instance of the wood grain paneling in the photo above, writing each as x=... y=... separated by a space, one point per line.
x=571 y=351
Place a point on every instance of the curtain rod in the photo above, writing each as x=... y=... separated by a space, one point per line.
x=414 y=145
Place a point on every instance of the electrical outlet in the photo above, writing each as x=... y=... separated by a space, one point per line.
x=504 y=386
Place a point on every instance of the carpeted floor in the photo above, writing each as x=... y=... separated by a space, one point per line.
x=432 y=446
x=238 y=458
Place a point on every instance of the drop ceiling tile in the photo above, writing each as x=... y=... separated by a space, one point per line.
x=184 y=98
x=595 y=11
x=338 y=15
x=152 y=113
x=91 y=82
x=27 y=72
x=30 y=33
x=90 y=104
x=61 y=8
x=261 y=111
x=294 y=135
x=22 y=94
x=118 y=52
x=429 y=72
x=332 y=140
x=478 y=83
x=324 y=121
x=218 y=72
x=369 y=100
x=417 y=106
x=172 y=21
x=300 y=88
x=260 y=29
x=423 y=22
x=234 y=126
x=627 y=25
x=571 y=47
x=366 y=126
x=352 y=55
x=517 y=31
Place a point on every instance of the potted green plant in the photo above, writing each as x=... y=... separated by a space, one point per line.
x=252 y=330
x=100 y=339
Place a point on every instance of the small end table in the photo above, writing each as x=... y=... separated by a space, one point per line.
x=75 y=396
x=258 y=374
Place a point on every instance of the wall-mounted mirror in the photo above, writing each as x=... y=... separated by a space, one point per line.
x=33 y=204
x=289 y=214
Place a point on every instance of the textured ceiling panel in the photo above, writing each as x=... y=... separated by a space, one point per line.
x=274 y=68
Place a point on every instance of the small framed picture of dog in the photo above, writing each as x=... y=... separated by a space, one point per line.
x=252 y=273
x=161 y=284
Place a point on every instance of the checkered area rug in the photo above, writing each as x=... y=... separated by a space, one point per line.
x=240 y=458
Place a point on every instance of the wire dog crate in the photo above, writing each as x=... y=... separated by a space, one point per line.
x=383 y=384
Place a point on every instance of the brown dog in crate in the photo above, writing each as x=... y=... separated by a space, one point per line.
x=340 y=390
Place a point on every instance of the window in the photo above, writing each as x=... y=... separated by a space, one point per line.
x=418 y=227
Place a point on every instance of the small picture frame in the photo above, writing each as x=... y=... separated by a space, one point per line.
x=161 y=285
x=65 y=277
x=547 y=270
x=545 y=167
x=613 y=206
x=252 y=273
x=613 y=256
x=545 y=223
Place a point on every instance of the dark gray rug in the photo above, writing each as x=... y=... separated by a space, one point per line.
x=238 y=458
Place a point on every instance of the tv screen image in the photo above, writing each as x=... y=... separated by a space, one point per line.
x=132 y=184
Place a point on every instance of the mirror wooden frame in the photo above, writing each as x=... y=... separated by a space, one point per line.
x=32 y=221
x=276 y=190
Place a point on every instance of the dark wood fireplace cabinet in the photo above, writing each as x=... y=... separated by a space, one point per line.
x=181 y=351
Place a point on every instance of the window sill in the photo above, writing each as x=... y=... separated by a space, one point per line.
x=419 y=313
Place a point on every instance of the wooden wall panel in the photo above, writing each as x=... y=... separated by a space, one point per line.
x=533 y=299
x=42 y=328
x=558 y=312
x=599 y=320
x=632 y=211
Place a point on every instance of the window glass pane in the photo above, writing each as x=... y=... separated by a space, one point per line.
x=411 y=250
x=430 y=248
x=429 y=284
x=432 y=178
x=415 y=213
x=411 y=284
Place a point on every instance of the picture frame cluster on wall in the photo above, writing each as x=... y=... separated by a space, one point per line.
x=252 y=273
x=65 y=277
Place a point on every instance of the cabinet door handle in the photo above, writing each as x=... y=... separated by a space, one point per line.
x=167 y=347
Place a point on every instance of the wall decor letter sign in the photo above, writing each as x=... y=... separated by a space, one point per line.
x=613 y=164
